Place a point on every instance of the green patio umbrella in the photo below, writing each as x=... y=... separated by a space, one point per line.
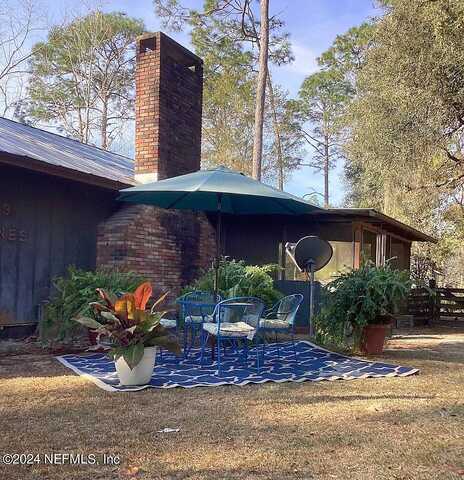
x=219 y=190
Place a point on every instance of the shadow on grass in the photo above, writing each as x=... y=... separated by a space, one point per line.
x=417 y=337
x=448 y=352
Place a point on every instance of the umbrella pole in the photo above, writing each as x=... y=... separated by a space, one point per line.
x=218 y=244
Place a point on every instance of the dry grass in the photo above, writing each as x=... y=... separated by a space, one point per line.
x=399 y=428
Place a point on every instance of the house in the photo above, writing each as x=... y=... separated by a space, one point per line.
x=58 y=202
x=355 y=234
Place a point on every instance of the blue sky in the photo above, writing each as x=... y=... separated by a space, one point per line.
x=313 y=25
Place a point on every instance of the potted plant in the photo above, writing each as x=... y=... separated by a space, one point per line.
x=365 y=299
x=133 y=334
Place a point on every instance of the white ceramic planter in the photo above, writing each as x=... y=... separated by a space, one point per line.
x=141 y=373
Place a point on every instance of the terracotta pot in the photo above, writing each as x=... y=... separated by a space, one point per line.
x=373 y=338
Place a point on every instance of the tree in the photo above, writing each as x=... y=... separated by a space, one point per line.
x=325 y=96
x=347 y=54
x=83 y=76
x=406 y=121
x=344 y=60
x=237 y=21
x=277 y=129
x=283 y=146
x=322 y=99
x=414 y=109
x=228 y=97
x=20 y=20
x=261 y=88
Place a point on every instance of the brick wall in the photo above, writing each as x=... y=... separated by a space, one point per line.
x=168 y=247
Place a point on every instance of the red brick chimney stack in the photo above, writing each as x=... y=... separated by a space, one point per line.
x=168 y=108
x=168 y=247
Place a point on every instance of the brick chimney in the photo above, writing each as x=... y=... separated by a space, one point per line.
x=169 y=247
x=168 y=108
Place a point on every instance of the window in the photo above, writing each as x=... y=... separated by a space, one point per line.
x=369 y=246
x=342 y=259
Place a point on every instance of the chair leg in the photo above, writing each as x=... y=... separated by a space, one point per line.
x=294 y=347
x=186 y=328
x=245 y=350
x=204 y=342
x=277 y=345
x=218 y=343
x=258 y=360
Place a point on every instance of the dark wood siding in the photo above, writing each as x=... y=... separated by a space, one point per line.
x=46 y=224
x=253 y=239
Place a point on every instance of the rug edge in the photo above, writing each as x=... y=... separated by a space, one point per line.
x=93 y=379
x=416 y=370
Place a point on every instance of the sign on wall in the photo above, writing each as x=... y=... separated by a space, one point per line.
x=9 y=230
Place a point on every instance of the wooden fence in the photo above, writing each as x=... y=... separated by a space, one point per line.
x=443 y=305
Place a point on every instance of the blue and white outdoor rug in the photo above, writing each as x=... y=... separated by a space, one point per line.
x=314 y=364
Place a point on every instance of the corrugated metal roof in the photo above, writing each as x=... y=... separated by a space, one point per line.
x=34 y=143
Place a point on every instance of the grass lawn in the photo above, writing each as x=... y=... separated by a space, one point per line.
x=395 y=428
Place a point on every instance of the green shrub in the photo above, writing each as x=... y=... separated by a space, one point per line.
x=357 y=298
x=239 y=280
x=73 y=293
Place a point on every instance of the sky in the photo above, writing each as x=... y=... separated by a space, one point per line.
x=313 y=26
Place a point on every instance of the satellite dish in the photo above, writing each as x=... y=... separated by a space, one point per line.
x=310 y=254
x=310 y=250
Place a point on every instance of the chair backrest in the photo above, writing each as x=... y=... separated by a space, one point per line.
x=197 y=303
x=239 y=309
x=288 y=306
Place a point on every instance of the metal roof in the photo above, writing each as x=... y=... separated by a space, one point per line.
x=56 y=151
x=407 y=231
x=70 y=158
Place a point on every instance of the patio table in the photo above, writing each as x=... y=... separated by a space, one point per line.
x=237 y=304
x=200 y=305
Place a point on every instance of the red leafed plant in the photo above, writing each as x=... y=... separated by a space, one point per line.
x=127 y=324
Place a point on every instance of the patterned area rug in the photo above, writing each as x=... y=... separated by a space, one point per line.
x=312 y=364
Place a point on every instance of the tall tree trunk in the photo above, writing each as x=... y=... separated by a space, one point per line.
x=261 y=90
x=80 y=125
x=276 y=127
x=104 y=125
x=326 y=171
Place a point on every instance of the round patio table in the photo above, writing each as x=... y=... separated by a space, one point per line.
x=238 y=304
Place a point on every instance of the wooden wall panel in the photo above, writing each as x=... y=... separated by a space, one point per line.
x=46 y=224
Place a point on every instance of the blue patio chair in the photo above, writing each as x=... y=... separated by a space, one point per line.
x=235 y=321
x=195 y=308
x=281 y=319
